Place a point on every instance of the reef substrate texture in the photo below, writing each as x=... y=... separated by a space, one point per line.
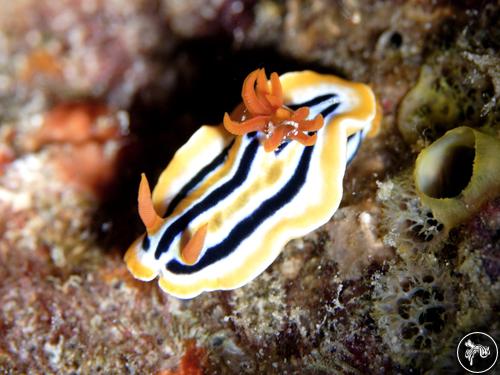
x=93 y=93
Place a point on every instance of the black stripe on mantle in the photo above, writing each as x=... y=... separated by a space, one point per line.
x=248 y=225
x=199 y=177
x=181 y=223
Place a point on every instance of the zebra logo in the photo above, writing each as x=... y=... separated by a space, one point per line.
x=477 y=352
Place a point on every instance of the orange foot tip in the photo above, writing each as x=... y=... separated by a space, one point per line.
x=265 y=112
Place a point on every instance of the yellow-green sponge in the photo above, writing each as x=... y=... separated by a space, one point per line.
x=457 y=173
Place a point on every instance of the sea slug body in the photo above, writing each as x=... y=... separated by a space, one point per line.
x=236 y=193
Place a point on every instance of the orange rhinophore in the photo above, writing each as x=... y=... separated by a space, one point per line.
x=147 y=211
x=191 y=251
x=265 y=112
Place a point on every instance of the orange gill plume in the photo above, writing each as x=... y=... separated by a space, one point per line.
x=265 y=112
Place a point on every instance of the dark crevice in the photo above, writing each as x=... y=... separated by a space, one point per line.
x=456 y=172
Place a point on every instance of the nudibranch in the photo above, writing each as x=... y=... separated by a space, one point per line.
x=236 y=193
